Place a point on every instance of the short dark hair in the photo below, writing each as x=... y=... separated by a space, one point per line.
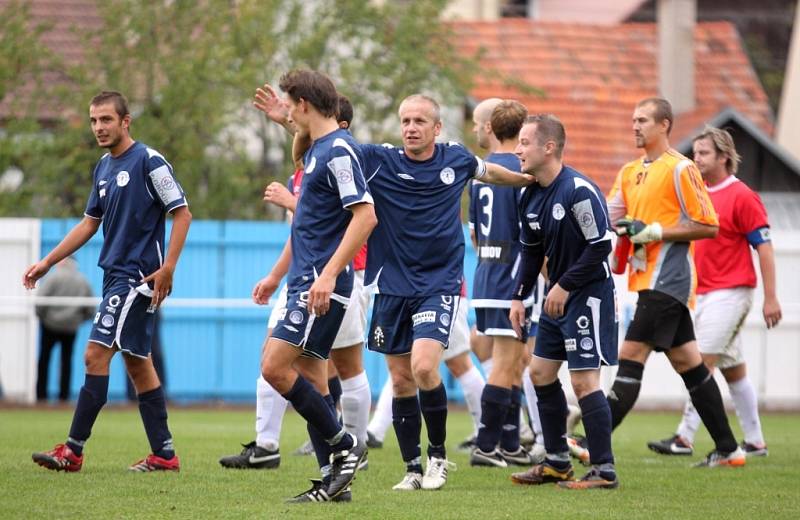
x=663 y=110
x=345 y=114
x=549 y=128
x=507 y=119
x=113 y=97
x=314 y=87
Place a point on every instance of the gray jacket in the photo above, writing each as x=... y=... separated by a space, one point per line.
x=65 y=280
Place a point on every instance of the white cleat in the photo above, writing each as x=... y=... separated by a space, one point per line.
x=436 y=473
x=411 y=482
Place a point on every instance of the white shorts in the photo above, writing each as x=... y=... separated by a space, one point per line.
x=718 y=319
x=459 y=336
x=355 y=317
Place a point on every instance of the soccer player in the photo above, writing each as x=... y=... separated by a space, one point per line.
x=415 y=260
x=494 y=222
x=564 y=219
x=133 y=188
x=665 y=208
x=263 y=452
x=333 y=218
x=725 y=283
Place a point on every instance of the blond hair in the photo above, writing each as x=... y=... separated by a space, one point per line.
x=723 y=145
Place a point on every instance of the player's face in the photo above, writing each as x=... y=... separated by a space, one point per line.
x=481 y=132
x=645 y=128
x=109 y=129
x=297 y=114
x=419 y=127
x=706 y=158
x=531 y=154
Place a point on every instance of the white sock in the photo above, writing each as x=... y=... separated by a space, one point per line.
x=356 y=400
x=270 y=407
x=382 y=416
x=487 y=367
x=689 y=423
x=472 y=384
x=533 y=409
x=746 y=403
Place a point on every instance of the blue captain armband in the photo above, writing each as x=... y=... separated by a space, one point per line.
x=759 y=236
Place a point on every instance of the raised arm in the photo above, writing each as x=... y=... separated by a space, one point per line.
x=496 y=174
x=267 y=101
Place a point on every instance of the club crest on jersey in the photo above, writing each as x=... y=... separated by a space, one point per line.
x=123 y=178
x=448 y=175
x=444 y=319
x=107 y=320
x=311 y=164
x=558 y=211
x=587 y=344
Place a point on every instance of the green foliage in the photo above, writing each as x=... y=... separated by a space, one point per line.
x=189 y=70
x=651 y=486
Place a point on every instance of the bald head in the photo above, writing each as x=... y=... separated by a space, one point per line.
x=481 y=117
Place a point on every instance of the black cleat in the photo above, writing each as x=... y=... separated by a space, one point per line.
x=344 y=465
x=675 y=445
x=372 y=442
x=318 y=493
x=252 y=457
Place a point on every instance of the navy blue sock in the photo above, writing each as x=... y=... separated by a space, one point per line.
x=509 y=440
x=153 y=409
x=322 y=450
x=407 y=421
x=312 y=407
x=91 y=398
x=433 y=404
x=495 y=401
x=597 y=424
x=553 y=414
x=335 y=388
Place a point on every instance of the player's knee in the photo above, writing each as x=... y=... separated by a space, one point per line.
x=425 y=371
x=272 y=374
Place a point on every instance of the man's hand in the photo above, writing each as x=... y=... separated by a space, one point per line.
x=265 y=288
x=33 y=273
x=276 y=193
x=638 y=231
x=162 y=284
x=772 y=312
x=517 y=317
x=555 y=301
x=275 y=108
x=319 y=295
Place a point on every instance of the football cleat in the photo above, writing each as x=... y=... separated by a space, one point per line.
x=373 y=442
x=577 y=448
x=304 y=449
x=411 y=482
x=542 y=474
x=753 y=450
x=467 y=444
x=252 y=457
x=318 y=493
x=156 y=463
x=736 y=458
x=675 y=445
x=521 y=457
x=538 y=453
x=344 y=465
x=491 y=459
x=60 y=458
x=435 y=476
x=594 y=479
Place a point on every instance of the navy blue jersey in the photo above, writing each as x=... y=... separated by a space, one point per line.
x=494 y=218
x=561 y=220
x=332 y=181
x=417 y=248
x=132 y=194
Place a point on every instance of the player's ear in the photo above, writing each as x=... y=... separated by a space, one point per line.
x=126 y=121
x=437 y=128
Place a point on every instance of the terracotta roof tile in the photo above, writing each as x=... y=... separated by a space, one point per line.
x=591 y=76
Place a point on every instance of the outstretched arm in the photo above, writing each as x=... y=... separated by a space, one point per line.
x=496 y=174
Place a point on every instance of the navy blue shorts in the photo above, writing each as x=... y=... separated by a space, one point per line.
x=313 y=334
x=398 y=321
x=125 y=318
x=492 y=321
x=586 y=335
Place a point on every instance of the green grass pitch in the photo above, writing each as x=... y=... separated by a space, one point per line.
x=651 y=486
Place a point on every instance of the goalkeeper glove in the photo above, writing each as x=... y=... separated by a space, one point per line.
x=638 y=231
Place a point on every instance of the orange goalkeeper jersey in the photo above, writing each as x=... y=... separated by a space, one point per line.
x=669 y=190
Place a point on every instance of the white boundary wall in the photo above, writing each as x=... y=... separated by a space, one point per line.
x=19 y=247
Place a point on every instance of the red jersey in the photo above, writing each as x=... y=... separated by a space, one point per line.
x=295 y=181
x=725 y=261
